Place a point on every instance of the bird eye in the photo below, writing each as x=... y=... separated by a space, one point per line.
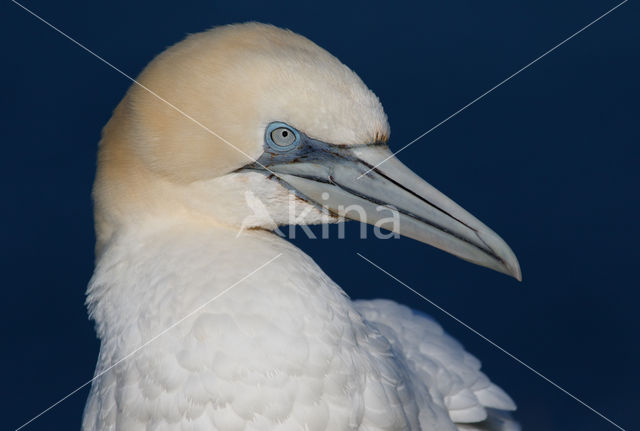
x=281 y=137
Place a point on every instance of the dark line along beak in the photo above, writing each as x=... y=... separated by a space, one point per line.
x=424 y=213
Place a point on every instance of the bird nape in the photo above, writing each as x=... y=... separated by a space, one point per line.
x=232 y=326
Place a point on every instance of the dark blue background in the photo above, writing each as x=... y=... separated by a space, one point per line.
x=549 y=160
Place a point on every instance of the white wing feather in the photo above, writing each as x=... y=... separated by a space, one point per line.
x=451 y=375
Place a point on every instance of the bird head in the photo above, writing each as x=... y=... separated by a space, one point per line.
x=254 y=109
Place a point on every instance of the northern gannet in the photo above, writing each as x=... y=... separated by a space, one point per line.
x=252 y=109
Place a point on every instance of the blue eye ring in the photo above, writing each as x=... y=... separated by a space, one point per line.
x=279 y=125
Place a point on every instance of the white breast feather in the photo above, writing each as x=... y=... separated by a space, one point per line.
x=283 y=350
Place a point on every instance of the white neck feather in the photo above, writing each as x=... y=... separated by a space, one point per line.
x=146 y=280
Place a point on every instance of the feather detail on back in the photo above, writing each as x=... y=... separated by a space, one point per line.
x=441 y=366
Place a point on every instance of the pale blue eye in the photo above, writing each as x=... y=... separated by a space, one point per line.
x=282 y=137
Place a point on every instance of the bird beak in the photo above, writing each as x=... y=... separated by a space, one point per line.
x=349 y=183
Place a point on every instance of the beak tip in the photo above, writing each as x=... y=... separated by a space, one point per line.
x=517 y=274
x=512 y=266
x=505 y=259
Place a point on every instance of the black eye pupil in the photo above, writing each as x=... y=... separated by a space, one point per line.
x=285 y=133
